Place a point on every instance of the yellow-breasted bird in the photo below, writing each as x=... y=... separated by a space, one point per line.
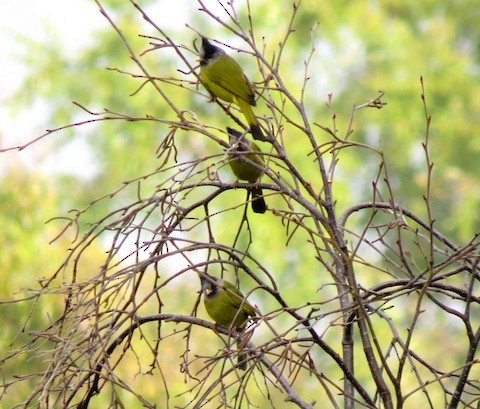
x=223 y=78
x=227 y=306
x=244 y=170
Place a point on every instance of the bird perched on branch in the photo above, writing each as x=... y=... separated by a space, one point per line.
x=223 y=78
x=227 y=306
x=242 y=147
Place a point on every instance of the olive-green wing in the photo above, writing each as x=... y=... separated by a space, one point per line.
x=258 y=159
x=238 y=299
x=231 y=78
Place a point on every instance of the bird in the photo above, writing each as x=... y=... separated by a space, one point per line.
x=244 y=170
x=223 y=78
x=228 y=307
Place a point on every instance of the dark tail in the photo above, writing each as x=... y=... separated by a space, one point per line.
x=258 y=202
x=242 y=357
x=257 y=133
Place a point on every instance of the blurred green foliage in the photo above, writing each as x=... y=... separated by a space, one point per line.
x=360 y=48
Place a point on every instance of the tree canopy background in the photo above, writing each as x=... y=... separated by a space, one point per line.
x=353 y=50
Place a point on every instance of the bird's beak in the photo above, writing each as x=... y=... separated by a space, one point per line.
x=205 y=284
x=206 y=288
